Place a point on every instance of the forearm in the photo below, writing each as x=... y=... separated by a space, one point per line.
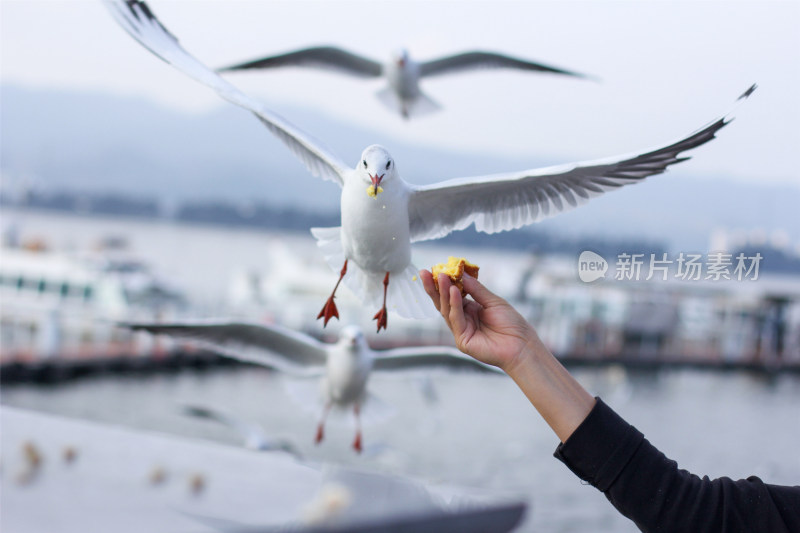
x=650 y=489
x=556 y=395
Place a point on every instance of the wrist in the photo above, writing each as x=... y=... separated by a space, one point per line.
x=528 y=358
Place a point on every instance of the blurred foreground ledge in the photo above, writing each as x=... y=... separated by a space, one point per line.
x=67 y=475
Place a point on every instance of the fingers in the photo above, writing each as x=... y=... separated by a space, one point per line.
x=444 y=296
x=456 y=319
x=451 y=305
x=447 y=300
x=479 y=293
x=427 y=283
x=441 y=297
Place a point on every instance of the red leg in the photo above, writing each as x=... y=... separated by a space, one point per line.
x=357 y=442
x=321 y=426
x=381 y=316
x=329 y=309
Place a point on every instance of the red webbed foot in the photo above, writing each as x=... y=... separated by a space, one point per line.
x=381 y=316
x=328 y=311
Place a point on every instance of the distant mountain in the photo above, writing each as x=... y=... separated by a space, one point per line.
x=97 y=141
x=102 y=143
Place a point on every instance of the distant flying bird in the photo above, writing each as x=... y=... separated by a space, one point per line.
x=254 y=437
x=344 y=366
x=402 y=73
x=382 y=215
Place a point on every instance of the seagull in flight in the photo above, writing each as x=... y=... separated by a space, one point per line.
x=402 y=73
x=344 y=367
x=254 y=437
x=382 y=214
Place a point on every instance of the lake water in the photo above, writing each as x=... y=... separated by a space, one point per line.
x=479 y=433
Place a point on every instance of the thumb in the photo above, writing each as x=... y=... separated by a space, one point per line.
x=479 y=293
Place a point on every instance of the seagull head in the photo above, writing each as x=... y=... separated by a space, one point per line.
x=376 y=165
x=352 y=337
x=400 y=57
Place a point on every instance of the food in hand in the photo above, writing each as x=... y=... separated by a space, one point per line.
x=455 y=269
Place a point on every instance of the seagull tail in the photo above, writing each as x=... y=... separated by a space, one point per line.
x=422 y=105
x=405 y=295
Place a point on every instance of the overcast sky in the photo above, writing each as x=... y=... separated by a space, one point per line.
x=667 y=68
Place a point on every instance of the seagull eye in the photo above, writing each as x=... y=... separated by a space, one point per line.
x=388 y=164
x=365 y=163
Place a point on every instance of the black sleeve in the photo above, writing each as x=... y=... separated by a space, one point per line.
x=650 y=489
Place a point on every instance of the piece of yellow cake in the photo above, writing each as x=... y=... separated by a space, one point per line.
x=454 y=268
x=372 y=193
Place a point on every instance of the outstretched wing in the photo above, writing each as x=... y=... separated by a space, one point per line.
x=485 y=60
x=138 y=20
x=428 y=356
x=325 y=57
x=270 y=346
x=253 y=434
x=509 y=201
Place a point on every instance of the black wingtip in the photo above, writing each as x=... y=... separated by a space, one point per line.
x=748 y=92
x=137 y=6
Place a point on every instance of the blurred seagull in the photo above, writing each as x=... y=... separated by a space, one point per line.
x=255 y=438
x=344 y=366
x=402 y=73
x=382 y=215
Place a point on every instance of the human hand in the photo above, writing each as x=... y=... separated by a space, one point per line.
x=493 y=332
x=488 y=328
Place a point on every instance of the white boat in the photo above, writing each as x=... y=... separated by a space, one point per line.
x=62 y=304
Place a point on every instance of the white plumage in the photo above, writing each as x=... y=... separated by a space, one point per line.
x=382 y=214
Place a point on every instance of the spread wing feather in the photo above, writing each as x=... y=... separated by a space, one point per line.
x=503 y=202
x=271 y=346
x=484 y=60
x=140 y=22
x=427 y=356
x=325 y=57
